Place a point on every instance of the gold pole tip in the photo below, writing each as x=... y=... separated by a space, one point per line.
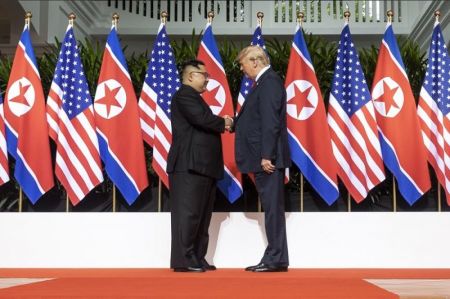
x=390 y=13
x=72 y=16
x=260 y=15
x=211 y=14
x=347 y=14
x=115 y=16
x=300 y=15
x=28 y=15
x=437 y=13
x=164 y=14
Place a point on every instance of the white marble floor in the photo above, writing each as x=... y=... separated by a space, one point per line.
x=415 y=288
x=12 y=282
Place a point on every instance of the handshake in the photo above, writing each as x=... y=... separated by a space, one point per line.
x=228 y=123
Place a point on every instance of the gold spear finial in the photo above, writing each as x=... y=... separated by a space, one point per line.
x=164 y=16
x=260 y=16
x=347 y=15
x=28 y=16
x=300 y=17
x=72 y=18
x=437 y=14
x=115 y=19
x=210 y=16
x=390 y=15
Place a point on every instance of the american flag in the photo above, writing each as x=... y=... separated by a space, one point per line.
x=71 y=124
x=4 y=172
x=247 y=83
x=353 y=128
x=161 y=82
x=434 y=108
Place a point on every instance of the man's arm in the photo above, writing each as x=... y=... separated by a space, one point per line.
x=271 y=99
x=199 y=117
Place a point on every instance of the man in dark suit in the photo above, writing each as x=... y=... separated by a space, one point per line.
x=262 y=149
x=194 y=164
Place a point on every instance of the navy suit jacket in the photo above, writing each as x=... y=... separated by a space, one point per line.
x=260 y=126
x=196 y=141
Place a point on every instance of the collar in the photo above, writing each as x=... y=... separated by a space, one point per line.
x=262 y=72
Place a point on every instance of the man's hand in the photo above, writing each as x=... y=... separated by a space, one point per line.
x=267 y=166
x=228 y=122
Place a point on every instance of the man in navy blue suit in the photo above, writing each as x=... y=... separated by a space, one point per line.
x=262 y=148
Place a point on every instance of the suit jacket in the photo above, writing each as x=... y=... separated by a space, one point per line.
x=196 y=141
x=260 y=127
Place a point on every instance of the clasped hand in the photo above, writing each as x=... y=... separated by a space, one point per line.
x=228 y=122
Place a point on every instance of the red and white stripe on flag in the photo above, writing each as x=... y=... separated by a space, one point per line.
x=353 y=127
x=71 y=124
x=434 y=109
x=160 y=84
x=4 y=171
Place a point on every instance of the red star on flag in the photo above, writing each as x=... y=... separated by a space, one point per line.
x=388 y=97
x=300 y=99
x=20 y=98
x=109 y=99
x=210 y=96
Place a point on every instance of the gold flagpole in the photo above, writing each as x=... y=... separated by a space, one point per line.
x=28 y=16
x=390 y=14
x=347 y=15
x=72 y=18
x=159 y=195
x=259 y=16
x=164 y=16
x=301 y=192
x=349 y=202
x=437 y=14
x=114 y=198
x=300 y=16
x=115 y=21
x=439 y=197
x=20 y=199
x=394 y=195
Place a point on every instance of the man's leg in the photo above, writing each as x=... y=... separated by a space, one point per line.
x=271 y=192
x=203 y=234
x=187 y=203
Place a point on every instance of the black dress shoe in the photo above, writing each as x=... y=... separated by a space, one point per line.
x=251 y=268
x=267 y=268
x=189 y=269
x=207 y=266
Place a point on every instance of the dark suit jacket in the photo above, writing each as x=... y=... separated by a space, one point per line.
x=196 y=142
x=260 y=126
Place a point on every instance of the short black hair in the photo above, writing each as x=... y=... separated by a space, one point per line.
x=193 y=62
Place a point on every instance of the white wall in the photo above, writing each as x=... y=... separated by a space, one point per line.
x=316 y=240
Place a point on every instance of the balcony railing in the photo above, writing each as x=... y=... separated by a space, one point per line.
x=238 y=16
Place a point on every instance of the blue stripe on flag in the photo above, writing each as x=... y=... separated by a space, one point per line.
x=113 y=42
x=390 y=40
x=299 y=41
x=210 y=43
x=23 y=177
x=320 y=183
x=115 y=172
x=229 y=188
x=25 y=39
x=405 y=186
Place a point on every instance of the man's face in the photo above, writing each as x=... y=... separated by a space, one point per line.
x=199 y=78
x=249 y=67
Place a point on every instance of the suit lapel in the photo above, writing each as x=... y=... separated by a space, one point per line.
x=253 y=90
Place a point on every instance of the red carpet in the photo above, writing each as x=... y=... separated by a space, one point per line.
x=224 y=283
